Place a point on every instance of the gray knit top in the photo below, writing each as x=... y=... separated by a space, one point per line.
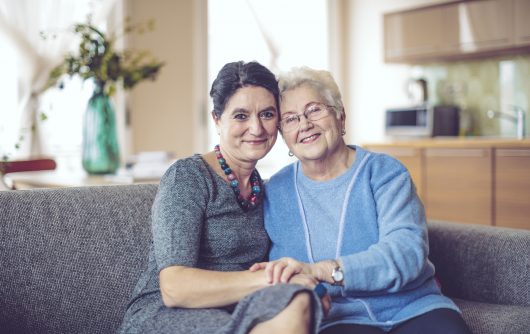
x=197 y=222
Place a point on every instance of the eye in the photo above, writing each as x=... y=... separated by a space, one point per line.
x=267 y=114
x=240 y=116
x=313 y=110
x=290 y=119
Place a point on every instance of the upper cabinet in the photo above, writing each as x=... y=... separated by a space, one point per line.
x=403 y=39
x=522 y=23
x=457 y=30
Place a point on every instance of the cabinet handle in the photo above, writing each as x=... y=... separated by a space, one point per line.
x=512 y=153
x=463 y=152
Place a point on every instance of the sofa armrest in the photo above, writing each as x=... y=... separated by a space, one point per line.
x=481 y=263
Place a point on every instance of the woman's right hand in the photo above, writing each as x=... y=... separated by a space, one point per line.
x=281 y=270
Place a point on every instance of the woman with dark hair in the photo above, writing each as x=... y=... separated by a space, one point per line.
x=207 y=224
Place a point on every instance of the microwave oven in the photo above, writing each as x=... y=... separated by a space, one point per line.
x=422 y=121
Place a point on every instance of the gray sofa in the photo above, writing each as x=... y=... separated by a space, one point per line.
x=69 y=259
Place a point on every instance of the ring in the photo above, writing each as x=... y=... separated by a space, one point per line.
x=320 y=290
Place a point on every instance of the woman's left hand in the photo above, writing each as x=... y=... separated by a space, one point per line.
x=281 y=270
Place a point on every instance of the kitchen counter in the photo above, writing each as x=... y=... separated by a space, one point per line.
x=455 y=142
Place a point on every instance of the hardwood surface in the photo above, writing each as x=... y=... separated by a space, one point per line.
x=458 y=185
x=512 y=188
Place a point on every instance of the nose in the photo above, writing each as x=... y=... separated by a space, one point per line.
x=305 y=124
x=256 y=127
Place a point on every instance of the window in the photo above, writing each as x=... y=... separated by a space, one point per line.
x=278 y=34
x=9 y=98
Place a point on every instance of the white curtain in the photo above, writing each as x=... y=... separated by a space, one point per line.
x=22 y=23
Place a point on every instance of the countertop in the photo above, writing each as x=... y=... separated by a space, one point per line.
x=456 y=142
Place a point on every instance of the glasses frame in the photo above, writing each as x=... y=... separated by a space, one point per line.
x=327 y=107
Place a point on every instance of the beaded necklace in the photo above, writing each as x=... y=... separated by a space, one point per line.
x=255 y=181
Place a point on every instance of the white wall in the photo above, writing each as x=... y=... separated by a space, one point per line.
x=372 y=85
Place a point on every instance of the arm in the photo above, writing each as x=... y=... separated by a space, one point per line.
x=188 y=287
x=178 y=220
x=400 y=255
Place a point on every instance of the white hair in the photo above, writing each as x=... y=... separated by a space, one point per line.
x=320 y=80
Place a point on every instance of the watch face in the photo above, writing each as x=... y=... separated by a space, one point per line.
x=337 y=275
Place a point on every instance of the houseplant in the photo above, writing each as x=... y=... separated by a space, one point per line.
x=98 y=60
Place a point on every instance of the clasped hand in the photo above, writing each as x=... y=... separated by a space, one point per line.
x=289 y=270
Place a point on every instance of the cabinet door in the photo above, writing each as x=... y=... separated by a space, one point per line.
x=512 y=188
x=413 y=34
x=458 y=185
x=522 y=23
x=478 y=26
x=411 y=158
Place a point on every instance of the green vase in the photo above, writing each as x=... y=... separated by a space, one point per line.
x=101 y=153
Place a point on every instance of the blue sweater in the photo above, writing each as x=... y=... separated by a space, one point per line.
x=374 y=222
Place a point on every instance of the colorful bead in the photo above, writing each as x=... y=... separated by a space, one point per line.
x=255 y=181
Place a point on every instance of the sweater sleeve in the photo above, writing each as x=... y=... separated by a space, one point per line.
x=400 y=255
x=178 y=215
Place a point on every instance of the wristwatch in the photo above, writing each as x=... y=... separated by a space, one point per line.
x=337 y=275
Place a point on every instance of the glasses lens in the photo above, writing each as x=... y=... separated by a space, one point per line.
x=290 y=122
x=316 y=111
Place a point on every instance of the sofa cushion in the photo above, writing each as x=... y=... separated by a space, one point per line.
x=71 y=257
x=485 y=318
x=481 y=263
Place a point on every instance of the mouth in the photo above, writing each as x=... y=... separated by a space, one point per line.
x=256 y=141
x=310 y=139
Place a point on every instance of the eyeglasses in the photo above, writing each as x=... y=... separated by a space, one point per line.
x=313 y=112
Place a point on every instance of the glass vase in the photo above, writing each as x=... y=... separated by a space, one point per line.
x=101 y=154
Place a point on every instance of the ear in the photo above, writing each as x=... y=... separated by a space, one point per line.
x=216 y=121
x=343 y=118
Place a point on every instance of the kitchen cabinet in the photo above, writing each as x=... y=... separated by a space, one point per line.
x=522 y=23
x=404 y=37
x=512 y=188
x=479 y=26
x=411 y=158
x=457 y=30
x=458 y=184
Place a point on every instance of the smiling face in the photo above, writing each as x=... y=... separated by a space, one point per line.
x=248 y=125
x=312 y=140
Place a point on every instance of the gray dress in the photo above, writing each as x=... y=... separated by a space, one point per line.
x=197 y=222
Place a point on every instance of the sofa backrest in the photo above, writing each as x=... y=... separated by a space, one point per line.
x=70 y=258
x=482 y=263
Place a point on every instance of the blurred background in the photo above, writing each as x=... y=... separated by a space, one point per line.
x=384 y=54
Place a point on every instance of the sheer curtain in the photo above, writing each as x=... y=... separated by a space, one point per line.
x=22 y=24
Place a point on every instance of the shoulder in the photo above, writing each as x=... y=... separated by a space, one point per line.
x=380 y=162
x=186 y=172
x=280 y=178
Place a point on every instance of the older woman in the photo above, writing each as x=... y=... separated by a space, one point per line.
x=208 y=229
x=350 y=218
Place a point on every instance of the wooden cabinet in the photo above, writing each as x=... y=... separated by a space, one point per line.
x=458 y=184
x=404 y=37
x=512 y=188
x=457 y=30
x=522 y=23
x=411 y=158
x=479 y=26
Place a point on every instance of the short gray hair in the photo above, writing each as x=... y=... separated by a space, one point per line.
x=320 y=80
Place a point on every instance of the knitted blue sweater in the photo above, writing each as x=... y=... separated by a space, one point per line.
x=380 y=237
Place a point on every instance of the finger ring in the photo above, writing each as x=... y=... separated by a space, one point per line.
x=320 y=290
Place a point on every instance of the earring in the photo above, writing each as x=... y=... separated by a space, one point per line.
x=343 y=132
x=290 y=154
